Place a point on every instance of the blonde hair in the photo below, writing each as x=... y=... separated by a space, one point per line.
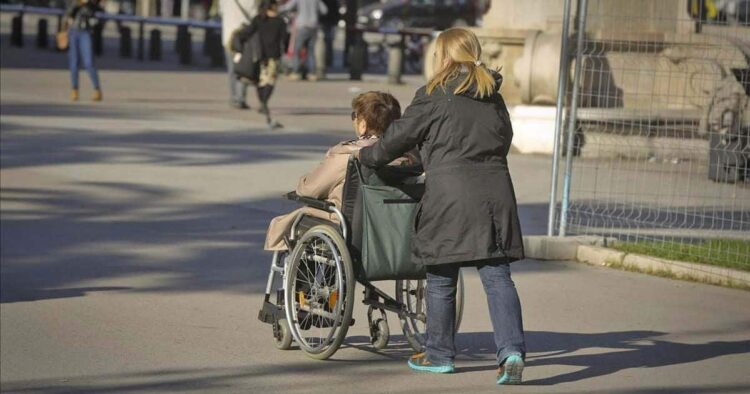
x=457 y=49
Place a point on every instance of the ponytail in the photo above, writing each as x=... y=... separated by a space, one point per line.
x=458 y=50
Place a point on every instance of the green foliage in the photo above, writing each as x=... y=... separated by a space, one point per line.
x=727 y=253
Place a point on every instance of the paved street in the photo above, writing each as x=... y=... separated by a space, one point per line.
x=132 y=258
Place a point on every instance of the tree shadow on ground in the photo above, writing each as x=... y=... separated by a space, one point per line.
x=59 y=240
x=68 y=145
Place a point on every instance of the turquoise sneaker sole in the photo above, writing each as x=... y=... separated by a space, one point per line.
x=432 y=368
x=513 y=370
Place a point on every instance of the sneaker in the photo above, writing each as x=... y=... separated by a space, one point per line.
x=511 y=371
x=312 y=78
x=294 y=77
x=74 y=95
x=239 y=105
x=420 y=362
x=273 y=125
x=97 y=95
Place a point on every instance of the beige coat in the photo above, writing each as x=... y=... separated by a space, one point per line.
x=324 y=182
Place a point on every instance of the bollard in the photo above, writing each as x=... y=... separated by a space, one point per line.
x=207 y=41
x=16 y=33
x=215 y=49
x=395 y=61
x=357 y=57
x=154 y=45
x=186 y=50
x=126 y=45
x=320 y=55
x=96 y=40
x=179 y=43
x=140 y=40
x=41 y=34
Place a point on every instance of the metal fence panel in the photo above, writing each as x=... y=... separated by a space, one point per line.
x=658 y=128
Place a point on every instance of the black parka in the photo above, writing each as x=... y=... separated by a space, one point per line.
x=468 y=212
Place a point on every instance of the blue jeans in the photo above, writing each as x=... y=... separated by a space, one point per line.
x=305 y=38
x=80 y=51
x=237 y=88
x=504 y=305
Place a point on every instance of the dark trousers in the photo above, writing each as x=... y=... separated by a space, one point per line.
x=80 y=51
x=504 y=306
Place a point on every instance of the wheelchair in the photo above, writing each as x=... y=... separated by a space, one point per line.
x=309 y=296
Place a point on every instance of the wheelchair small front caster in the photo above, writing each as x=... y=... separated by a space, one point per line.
x=379 y=331
x=282 y=337
x=380 y=334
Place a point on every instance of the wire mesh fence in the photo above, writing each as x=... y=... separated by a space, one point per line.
x=660 y=143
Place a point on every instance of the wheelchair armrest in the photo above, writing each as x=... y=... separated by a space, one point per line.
x=311 y=202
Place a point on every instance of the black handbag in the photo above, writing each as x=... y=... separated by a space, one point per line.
x=247 y=62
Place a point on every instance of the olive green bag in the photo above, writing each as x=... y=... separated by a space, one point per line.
x=387 y=228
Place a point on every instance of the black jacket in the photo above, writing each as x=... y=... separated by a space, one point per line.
x=272 y=31
x=83 y=15
x=468 y=212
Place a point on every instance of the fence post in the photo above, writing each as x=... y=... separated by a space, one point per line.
x=561 y=86
x=571 y=130
x=154 y=45
x=16 y=33
x=41 y=33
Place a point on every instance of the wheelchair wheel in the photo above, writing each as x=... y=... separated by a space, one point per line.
x=411 y=293
x=319 y=291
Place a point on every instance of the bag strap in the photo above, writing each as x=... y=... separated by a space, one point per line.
x=356 y=164
x=247 y=16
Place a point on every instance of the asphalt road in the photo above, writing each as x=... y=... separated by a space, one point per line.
x=131 y=257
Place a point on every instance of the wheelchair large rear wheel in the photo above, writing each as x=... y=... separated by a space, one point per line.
x=319 y=291
x=411 y=293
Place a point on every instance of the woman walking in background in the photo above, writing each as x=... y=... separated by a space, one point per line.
x=81 y=18
x=272 y=33
x=468 y=215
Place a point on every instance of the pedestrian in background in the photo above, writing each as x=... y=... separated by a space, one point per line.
x=80 y=19
x=468 y=214
x=272 y=33
x=306 y=26
x=234 y=13
x=328 y=23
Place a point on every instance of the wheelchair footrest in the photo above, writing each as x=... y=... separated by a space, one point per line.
x=269 y=313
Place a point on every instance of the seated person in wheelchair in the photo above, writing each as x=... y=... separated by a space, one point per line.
x=372 y=113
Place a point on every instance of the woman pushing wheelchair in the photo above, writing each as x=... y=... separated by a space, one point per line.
x=468 y=214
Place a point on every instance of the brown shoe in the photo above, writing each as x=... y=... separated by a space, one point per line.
x=97 y=96
x=74 y=95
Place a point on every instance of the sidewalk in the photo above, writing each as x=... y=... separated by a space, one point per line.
x=131 y=261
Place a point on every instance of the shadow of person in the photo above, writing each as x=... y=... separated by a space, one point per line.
x=657 y=353
x=627 y=349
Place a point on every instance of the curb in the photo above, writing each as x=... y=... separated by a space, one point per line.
x=592 y=250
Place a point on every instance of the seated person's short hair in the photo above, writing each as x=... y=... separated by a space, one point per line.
x=378 y=110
